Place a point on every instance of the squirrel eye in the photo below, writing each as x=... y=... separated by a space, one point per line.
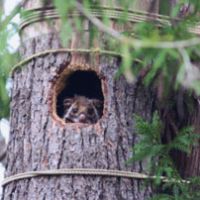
x=75 y=110
x=67 y=103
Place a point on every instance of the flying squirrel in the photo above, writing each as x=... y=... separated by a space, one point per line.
x=80 y=109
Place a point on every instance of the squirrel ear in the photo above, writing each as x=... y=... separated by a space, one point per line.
x=98 y=103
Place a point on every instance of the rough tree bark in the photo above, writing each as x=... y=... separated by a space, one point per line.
x=39 y=140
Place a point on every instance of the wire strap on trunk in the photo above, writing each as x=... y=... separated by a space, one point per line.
x=87 y=172
x=40 y=14
x=94 y=51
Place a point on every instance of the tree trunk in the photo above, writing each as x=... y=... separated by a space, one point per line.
x=41 y=140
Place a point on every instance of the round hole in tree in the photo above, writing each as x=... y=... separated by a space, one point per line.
x=80 y=97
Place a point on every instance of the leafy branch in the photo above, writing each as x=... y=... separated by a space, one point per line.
x=157 y=155
x=171 y=39
x=134 y=42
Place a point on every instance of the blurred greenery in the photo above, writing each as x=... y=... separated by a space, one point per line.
x=7 y=59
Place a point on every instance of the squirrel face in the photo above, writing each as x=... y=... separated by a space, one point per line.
x=80 y=109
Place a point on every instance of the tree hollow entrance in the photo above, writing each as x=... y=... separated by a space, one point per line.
x=84 y=84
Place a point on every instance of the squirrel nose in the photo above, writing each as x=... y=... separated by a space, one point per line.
x=82 y=117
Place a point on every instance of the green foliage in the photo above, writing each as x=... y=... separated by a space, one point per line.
x=7 y=60
x=180 y=191
x=157 y=155
x=173 y=64
x=150 y=147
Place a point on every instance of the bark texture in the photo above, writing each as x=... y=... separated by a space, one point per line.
x=39 y=141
